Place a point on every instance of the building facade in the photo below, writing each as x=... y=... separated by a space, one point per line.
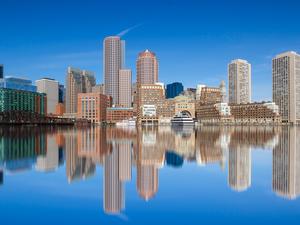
x=51 y=88
x=149 y=94
x=214 y=113
x=286 y=85
x=17 y=83
x=19 y=100
x=256 y=113
x=112 y=63
x=125 y=81
x=210 y=95
x=239 y=81
x=174 y=89
x=92 y=106
x=77 y=81
x=117 y=114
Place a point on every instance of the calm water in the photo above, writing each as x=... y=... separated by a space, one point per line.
x=149 y=176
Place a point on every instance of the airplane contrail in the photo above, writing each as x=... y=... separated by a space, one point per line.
x=123 y=32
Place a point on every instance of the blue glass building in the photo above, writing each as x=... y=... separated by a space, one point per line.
x=16 y=83
x=174 y=89
x=61 y=93
x=1 y=71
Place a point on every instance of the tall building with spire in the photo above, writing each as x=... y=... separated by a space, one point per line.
x=239 y=82
x=147 y=68
x=113 y=61
x=286 y=85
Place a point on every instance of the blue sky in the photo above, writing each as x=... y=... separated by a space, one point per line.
x=193 y=40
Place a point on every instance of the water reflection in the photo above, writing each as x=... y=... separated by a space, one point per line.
x=148 y=150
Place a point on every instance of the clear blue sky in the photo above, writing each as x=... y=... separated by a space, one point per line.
x=194 y=40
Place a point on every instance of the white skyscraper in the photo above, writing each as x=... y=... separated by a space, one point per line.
x=239 y=81
x=49 y=87
x=113 y=61
x=286 y=85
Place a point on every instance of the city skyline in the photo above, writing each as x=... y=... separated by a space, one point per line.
x=50 y=56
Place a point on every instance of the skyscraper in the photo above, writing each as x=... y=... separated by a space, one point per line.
x=1 y=71
x=174 y=89
x=147 y=68
x=77 y=81
x=49 y=87
x=73 y=87
x=88 y=82
x=125 y=88
x=286 y=85
x=113 y=60
x=239 y=81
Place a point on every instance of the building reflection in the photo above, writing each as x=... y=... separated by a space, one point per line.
x=149 y=149
x=286 y=164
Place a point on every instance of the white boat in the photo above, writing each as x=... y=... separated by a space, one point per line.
x=182 y=120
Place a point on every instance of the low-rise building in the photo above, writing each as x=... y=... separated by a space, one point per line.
x=252 y=113
x=148 y=115
x=60 y=109
x=216 y=113
x=92 y=106
x=20 y=100
x=184 y=104
x=17 y=83
x=118 y=114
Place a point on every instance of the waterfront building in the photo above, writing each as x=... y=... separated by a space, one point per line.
x=286 y=85
x=17 y=83
x=165 y=110
x=113 y=57
x=92 y=106
x=149 y=94
x=118 y=114
x=147 y=68
x=239 y=82
x=19 y=100
x=125 y=88
x=214 y=113
x=77 y=81
x=51 y=88
x=174 y=89
x=184 y=104
x=251 y=113
x=99 y=88
x=210 y=95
